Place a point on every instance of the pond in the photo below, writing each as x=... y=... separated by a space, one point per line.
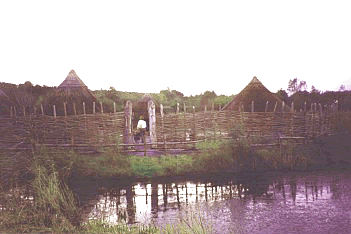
x=299 y=202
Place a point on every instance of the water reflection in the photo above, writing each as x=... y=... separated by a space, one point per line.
x=270 y=203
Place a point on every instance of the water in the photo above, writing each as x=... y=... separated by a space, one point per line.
x=305 y=202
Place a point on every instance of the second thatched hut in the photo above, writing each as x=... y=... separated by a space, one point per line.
x=255 y=97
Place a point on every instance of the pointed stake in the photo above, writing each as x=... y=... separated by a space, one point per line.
x=265 y=109
x=74 y=108
x=64 y=107
x=84 y=108
x=54 y=111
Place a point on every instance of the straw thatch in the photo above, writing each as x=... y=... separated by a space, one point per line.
x=257 y=92
x=73 y=84
x=73 y=92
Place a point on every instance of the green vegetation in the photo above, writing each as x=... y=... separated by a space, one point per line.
x=46 y=204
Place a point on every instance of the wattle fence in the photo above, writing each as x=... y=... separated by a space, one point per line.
x=95 y=132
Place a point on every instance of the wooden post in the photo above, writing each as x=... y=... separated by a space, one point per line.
x=194 y=127
x=265 y=109
x=54 y=111
x=213 y=122
x=128 y=136
x=252 y=106
x=212 y=106
x=93 y=107
x=177 y=108
x=305 y=106
x=84 y=108
x=14 y=108
x=74 y=108
x=11 y=111
x=42 y=109
x=205 y=121
x=35 y=110
x=114 y=107
x=275 y=106
x=321 y=119
x=152 y=122
x=145 y=146
x=292 y=107
x=163 y=125
x=102 y=110
x=184 y=122
x=24 y=111
x=283 y=105
x=64 y=107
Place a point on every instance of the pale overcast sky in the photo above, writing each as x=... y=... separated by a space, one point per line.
x=189 y=46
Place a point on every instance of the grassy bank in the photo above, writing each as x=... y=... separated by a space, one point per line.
x=46 y=204
x=214 y=156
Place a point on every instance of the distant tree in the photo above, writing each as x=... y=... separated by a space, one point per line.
x=222 y=100
x=296 y=85
x=342 y=88
x=207 y=98
x=283 y=95
x=315 y=95
x=299 y=98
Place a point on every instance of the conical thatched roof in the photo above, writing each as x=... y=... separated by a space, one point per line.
x=73 y=85
x=72 y=81
x=257 y=92
x=71 y=91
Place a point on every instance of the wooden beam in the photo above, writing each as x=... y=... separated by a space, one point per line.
x=84 y=108
x=64 y=107
x=265 y=109
x=54 y=110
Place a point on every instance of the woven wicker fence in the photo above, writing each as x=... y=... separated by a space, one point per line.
x=99 y=130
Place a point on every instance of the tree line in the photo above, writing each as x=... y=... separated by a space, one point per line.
x=29 y=96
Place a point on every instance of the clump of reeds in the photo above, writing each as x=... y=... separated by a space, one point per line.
x=51 y=205
x=191 y=223
x=101 y=226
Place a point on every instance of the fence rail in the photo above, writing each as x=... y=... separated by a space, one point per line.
x=181 y=130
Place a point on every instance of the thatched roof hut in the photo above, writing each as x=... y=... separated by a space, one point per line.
x=255 y=91
x=73 y=92
x=73 y=84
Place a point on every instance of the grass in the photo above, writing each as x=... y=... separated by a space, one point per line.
x=50 y=206
x=54 y=208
